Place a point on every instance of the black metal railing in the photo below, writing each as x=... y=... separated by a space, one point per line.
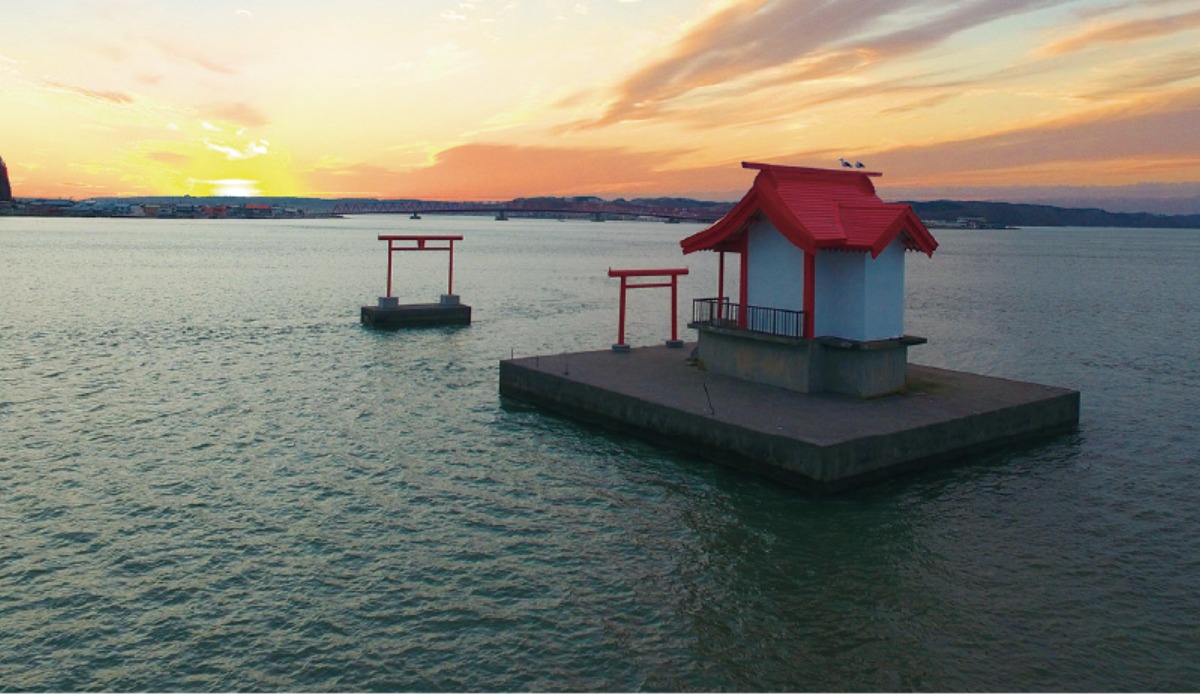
x=722 y=313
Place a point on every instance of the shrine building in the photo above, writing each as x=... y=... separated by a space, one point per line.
x=819 y=305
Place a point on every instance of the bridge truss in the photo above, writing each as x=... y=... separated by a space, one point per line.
x=502 y=209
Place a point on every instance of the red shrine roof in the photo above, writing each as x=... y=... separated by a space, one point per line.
x=816 y=209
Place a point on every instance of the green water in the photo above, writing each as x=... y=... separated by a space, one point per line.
x=213 y=478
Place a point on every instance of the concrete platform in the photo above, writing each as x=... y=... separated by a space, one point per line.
x=819 y=442
x=416 y=315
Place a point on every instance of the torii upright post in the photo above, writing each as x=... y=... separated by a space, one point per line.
x=673 y=282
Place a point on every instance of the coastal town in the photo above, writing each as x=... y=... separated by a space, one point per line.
x=184 y=209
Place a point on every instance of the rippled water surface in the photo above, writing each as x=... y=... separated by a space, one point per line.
x=213 y=478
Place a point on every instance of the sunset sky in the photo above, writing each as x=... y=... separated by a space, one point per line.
x=490 y=100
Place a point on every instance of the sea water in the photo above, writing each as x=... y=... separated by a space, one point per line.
x=212 y=477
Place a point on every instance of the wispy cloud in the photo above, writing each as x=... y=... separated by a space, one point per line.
x=1146 y=75
x=821 y=37
x=742 y=38
x=183 y=54
x=1131 y=132
x=251 y=150
x=113 y=97
x=949 y=20
x=1105 y=33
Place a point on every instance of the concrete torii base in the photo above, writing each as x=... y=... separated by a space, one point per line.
x=392 y=314
x=816 y=441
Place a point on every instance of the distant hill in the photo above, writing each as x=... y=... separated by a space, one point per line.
x=1023 y=215
x=680 y=203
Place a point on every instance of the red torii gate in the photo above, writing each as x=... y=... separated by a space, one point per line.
x=420 y=244
x=673 y=274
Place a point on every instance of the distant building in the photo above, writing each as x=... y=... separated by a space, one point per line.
x=5 y=186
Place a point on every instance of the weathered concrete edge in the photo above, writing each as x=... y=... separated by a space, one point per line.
x=689 y=432
x=884 y=455
x=805 y=465
x=415 y=315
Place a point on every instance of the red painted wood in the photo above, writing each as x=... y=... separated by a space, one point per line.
x=420 y=243
x=626 y=284
x=818 y=209
x=621 y=320
x=674 y=272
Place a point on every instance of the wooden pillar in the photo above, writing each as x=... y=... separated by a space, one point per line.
x=674 y=309
x=621 y=320
x=389 y=282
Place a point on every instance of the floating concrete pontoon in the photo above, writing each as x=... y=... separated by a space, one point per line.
x=815 y=441
x=390 y=313
x=804 y=376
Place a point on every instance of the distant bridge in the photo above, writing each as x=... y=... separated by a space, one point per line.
x=596 y=210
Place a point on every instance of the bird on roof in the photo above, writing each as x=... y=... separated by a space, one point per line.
x=858 y=165
x=845 y=163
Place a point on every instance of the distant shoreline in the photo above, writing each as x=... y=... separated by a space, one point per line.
x=937 y=214
x=1002 y=215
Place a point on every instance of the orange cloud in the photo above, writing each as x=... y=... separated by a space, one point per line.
x=1158 y=129
x=240 y=113
x=170 y=158
x=502 y=172
x=1117 y=32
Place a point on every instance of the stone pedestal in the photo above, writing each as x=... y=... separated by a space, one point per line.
x=824 y=365
x=396 y=315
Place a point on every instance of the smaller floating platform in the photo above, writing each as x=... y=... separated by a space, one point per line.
x=819 y=442
x=392 y=314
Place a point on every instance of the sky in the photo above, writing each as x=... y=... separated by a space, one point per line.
x=491 y=100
